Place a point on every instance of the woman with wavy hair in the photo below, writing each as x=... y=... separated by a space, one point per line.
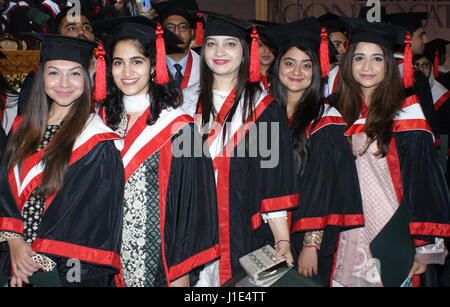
x=66 y=178
x=405 y=199
x=330 y=200
x=170 y=209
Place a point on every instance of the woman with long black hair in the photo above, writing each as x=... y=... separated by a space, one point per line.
x=330 y=200
x=170 y=208
x=249 y=143
x=66 y=178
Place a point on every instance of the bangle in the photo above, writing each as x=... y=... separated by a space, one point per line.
x=313 y=239
x=278 y=242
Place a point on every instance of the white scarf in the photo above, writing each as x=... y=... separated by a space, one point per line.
x=134 y=104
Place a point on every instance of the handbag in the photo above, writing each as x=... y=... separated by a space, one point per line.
x=261 y=266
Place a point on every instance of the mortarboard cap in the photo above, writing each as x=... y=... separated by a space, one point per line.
x=306 y=33
x=60 y=47
x=144 y=30
x=332 y=22
x=262 y=24
x=380 y=33
x=410 y=21
x=134 y=27
x=386 y=35
x=184 y=8
x=433 y=50
x=226 y=25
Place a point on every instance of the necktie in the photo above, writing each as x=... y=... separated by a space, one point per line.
x=178 y=75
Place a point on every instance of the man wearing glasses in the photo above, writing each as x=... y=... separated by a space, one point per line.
x=177 y=16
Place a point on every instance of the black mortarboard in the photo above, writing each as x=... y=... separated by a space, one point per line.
x=60 y=47
x=134 y=27
x=262 y=24
x=183 y=8
x=433 y=50
x=306 y=33
x=188 y=9
x=410 y=21
x=332 y=23
x=380 y=33
x=220 y=24
x=386 y=35
x=146 y=31
x=226 y=25
x=438 y=44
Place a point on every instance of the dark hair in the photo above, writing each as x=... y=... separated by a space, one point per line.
x=25 y=141
x=162 y=96
x=309 y=108
x=243 y=87
x=386 y=100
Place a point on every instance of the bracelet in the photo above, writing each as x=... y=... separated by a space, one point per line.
x=313 y=239
x=278 y=242
x=8 y=235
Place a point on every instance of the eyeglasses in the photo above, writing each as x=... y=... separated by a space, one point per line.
x=182 y=27
x=424 y=65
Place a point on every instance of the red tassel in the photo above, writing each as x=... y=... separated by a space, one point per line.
x=408 y=76
x=324 y=56
x=436 y=64
x=255 y=66
x=199 y=31
x=162 y=75
x=100 y=75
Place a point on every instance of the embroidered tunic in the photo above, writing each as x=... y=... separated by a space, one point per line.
x=141 y=237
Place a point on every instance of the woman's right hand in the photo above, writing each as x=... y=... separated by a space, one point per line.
x=22 y=264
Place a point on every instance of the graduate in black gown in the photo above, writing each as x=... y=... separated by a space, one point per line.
x=330 y=199
x=250 y=145
x=65 y=176
x=405 y=198
x=170 y=225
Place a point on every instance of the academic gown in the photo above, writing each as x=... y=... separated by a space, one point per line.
x=82 y=219
x=330 y=197
x=246 y=186
x=421 y=88
x=418 y=181
x=187 y=198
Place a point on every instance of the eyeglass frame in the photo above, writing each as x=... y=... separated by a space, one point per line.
x=177 y=27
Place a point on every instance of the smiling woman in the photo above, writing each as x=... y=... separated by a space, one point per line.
x=61 y=162
x=64 y=84
x=130 y=68
x=170 y=215
x=402 y=185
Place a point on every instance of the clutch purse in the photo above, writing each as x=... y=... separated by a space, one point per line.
x=261 y=266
